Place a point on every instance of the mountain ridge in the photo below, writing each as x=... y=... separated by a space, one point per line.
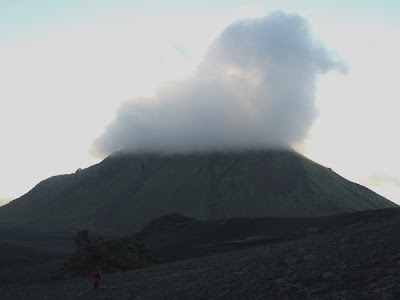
x=125 y=191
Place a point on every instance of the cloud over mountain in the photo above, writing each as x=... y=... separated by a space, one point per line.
x=254 y=89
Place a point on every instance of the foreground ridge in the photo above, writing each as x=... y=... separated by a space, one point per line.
x=354 y=256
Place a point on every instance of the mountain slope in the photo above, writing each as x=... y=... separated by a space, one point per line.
x=125 y=191
x=351 y=256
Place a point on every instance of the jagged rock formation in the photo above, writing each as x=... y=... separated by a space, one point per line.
x=128 y=253
x=111 y=255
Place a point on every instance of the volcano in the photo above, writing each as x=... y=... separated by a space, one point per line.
x=125 y=191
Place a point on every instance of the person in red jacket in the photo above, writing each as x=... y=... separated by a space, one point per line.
x=96 y=277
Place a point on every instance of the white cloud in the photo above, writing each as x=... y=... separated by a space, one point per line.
x=255 y=88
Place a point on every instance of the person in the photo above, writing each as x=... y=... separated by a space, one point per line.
x=96 y=277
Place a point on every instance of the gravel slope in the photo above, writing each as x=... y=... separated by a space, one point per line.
x=356 y=261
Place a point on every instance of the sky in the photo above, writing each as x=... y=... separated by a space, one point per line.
x=81 y=79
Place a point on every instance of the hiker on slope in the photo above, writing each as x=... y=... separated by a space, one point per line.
x=96 y=277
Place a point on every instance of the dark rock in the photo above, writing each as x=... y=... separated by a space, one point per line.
x=392 y=271
x=327 y=275
x=309 y=258
x=164 y=224
x=111 y=256
x=314 y=230
x=290 y=261
x=396 y=257
x=82 y=239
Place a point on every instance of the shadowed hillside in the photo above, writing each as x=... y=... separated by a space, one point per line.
x=125 y=191
x=351 y=256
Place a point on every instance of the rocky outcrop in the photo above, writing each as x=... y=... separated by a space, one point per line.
x=164 y=224
x=110 y=255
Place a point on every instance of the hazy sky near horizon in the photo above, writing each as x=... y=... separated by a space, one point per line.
x=70 y=69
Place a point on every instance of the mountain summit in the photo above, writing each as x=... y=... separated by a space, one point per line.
x=125 y=191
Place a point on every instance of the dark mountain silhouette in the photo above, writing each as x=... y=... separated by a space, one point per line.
x=125 y=191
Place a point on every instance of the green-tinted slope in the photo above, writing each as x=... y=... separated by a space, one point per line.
x=125 y=191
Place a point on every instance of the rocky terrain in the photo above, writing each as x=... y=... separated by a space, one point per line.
x=29 y=255
x=353 y=256
x=113 y=256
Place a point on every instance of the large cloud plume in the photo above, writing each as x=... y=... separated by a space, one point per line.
x=255 y=89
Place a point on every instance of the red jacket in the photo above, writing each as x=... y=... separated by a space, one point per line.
x=96 y=278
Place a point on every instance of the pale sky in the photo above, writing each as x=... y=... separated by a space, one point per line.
x=66 y=66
